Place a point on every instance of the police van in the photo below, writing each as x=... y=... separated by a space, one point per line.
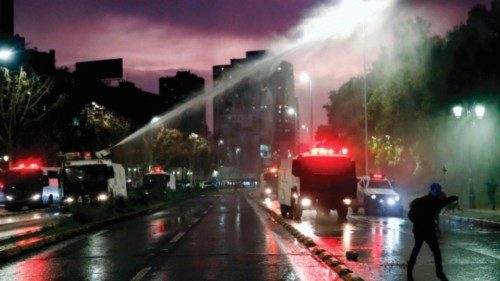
x=376 y=195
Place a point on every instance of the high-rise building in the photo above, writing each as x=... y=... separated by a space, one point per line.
x=6 y=18
x=255 y=117
x=31 y=59
x=175 y=90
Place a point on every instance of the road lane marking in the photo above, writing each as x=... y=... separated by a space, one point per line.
x=177 y=237
x=141 y=274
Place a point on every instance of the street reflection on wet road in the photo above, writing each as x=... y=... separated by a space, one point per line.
x=384 y=245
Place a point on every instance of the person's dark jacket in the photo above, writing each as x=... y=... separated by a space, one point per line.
x=427 y=211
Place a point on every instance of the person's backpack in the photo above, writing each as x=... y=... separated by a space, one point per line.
x=417 y=210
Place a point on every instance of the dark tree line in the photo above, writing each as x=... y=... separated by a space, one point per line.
x=412 y=87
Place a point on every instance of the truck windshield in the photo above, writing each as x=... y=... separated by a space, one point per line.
x=379 y=184
x=89 y=173
x=156 y=180
x=22 y=178
x=327 y=165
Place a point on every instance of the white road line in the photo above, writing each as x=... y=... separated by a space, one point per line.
x=177 y=237
x=196 y=220
x=141 y=274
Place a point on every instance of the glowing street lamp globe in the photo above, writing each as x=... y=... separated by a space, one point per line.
x=291 y=111
x=155 y=119
x=457 y=111
x=304 y=78
x=480 y=111
x=6 y=54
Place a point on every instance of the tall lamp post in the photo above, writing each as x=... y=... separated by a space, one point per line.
x=304 y=78
x=469 y=113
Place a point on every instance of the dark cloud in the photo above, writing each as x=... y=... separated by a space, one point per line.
x=231 y=17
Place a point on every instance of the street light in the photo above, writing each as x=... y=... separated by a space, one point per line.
x=479 y=111
x=304 y=78
x=6 y=54
x=154 y=120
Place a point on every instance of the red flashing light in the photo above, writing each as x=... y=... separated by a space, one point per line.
x=273 y=170
x=377 y=176
x=1 y=185
x=157 y=169
x=87 y=155
x=344 y=151
x=22 y=166
x=322 y=151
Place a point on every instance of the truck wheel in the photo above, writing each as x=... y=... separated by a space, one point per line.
x=355 y=209
x=284 y=211
x=342 y=212
x=296 y=213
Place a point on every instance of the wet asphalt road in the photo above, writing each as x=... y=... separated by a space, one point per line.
x=384 y=245
x=225 y=237
x=216 y=237
x=12 y=224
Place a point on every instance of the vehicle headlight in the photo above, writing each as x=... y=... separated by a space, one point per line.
x=35 y=197
x=381 y=201
x=391 y=201
x=347 y=201
x=69 y=200
x=305 y=202
x=373 y=196
x=396 y=198
x=102 y=197
x=268 y=191
x=295 y=195
x=9 y=198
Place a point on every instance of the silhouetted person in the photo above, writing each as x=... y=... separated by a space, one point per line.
x=423 y=214
x=491 y=188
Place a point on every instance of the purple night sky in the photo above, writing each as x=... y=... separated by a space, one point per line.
x=159 y=37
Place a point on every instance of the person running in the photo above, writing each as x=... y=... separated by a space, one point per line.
x=423 y=213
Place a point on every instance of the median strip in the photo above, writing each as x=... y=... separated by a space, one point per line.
x=327 y=258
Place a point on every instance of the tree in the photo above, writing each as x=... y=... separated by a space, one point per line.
x=102 y=128
x=24 y=101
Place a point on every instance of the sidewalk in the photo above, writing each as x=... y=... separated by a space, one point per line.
x=476 y=217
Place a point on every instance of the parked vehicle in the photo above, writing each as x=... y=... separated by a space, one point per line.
x=30 y=185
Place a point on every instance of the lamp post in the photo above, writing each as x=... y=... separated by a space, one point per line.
x=365 y=97
x=304 y=78
x=479 y=112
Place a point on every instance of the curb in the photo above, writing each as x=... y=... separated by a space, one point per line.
x=15 y=250
x=327 y=258
x=472 y=221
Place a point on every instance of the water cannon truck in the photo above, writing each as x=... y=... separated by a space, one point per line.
x=322 y=179
x=88 y=178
